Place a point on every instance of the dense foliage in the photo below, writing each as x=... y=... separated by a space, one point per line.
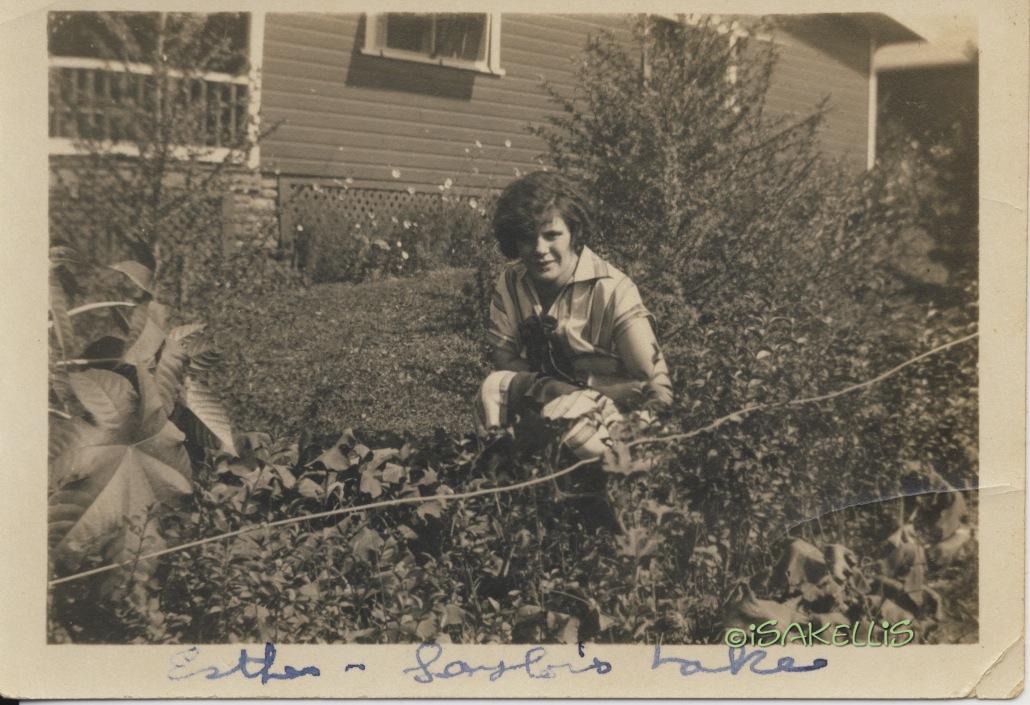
x=685 y=542
x=930 y=151
x=539 y=564
x=771 y=272
x=129 y=402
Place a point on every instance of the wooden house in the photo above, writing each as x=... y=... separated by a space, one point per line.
x=379 y=109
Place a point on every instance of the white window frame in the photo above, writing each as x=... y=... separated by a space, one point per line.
x=375 y=45
x=873 y=106
x=255 y=51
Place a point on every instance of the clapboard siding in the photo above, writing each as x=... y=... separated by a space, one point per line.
x=368 y=117
x=383 y=138
x=826 y=56
x=342 y=114
x=345 y=115
x=312 y=80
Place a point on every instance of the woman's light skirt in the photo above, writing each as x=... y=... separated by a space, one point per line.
x=585 y=415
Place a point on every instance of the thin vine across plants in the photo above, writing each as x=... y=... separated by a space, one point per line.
x=735 y=415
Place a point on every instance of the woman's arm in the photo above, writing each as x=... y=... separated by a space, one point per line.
x=503 y=332
x=638 y=349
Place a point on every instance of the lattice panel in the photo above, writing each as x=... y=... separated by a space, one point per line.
x=102 y=233
x=356 y=203
x=327 y=221
x=334 y=208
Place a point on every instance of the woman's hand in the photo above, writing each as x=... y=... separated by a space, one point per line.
x=507 y=360
x=625 y=392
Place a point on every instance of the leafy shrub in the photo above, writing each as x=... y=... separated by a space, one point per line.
x=931 y=159
x=235 y=279
x=128 y=407
x=769 y=270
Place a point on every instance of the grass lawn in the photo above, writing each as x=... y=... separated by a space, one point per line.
x=386 y=356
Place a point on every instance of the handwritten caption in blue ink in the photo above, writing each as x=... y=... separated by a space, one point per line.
x=531 y=664
x=247 y=666
x=739 y=660
x=430 y=665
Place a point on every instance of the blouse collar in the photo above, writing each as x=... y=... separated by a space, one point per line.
x=589 y=267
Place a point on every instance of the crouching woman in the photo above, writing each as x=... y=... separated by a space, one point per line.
x=569 y=331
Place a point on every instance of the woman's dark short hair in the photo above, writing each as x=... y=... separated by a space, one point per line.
x=526 y=200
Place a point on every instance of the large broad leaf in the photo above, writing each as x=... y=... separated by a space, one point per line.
x=109 y=498
x=108 y=397
x=801 y=562
x=146 y=332
x=171 y=367
x=953 y=512
x=745 y=609
x=68 y=440
x=203 y=358
x=170 y=372
x=59 y=318
x=60 y=387
x=203 y=404
x=638 y=543
x=104 y=349
x=66 y=434
x=140 y=275
x=152 y=413
x=906 y=560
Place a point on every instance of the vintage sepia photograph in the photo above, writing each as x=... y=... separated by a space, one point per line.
x=513 y=328
x=514 y=349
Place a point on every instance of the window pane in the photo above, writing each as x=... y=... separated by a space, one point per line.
x=219 y=40
x=111 y=35
x=220 y=37
x=409 y=32
x=460 y=36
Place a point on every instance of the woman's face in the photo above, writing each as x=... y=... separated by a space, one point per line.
x=548 y=253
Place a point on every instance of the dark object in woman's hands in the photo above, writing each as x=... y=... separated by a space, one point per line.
x=543 y=349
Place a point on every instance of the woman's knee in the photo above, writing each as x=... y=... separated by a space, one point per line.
x=492 y=401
